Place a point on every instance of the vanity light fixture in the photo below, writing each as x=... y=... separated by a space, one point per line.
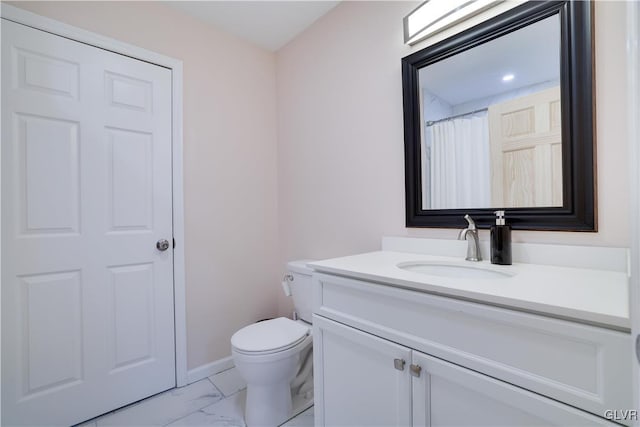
x=433 y=16
x=507 y=77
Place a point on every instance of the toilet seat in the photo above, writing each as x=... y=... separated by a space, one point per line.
x=269 y=336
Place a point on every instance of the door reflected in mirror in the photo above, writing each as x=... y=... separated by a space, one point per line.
x=491 y=123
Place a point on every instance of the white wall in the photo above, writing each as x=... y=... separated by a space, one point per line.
x=229 y=162
x=434 y=108
x=330 y=177
x=340 y=134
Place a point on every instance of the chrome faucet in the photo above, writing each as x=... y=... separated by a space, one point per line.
x=473 y=250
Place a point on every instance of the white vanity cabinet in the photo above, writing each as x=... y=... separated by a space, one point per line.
x=445 y=394
x=369 y=381
x=360 y=382
x=390 y=356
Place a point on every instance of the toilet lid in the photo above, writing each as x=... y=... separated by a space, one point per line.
x=269 y=335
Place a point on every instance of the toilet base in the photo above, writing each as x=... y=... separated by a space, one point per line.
x=275 y=380
x=268 y=405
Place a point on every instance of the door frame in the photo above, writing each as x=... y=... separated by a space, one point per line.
x=52 y=26
x=633 y=129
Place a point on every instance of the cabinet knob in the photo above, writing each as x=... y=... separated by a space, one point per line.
x=415 y=370
x=399 y=364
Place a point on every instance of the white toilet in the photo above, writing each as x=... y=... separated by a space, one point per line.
x=275 y=357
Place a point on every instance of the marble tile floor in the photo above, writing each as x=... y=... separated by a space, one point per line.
x=214 y=401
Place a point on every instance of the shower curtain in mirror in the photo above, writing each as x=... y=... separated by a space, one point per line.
x=459 y=162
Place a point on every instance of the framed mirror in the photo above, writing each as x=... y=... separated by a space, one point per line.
x=501 y=117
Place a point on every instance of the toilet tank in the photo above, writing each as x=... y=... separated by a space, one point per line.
x=301 y=290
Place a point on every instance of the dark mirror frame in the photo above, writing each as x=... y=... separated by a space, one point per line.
x=578 y=212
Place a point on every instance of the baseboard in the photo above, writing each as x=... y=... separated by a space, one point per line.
x=209 y=369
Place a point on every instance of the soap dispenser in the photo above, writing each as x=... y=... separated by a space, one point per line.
x=500 y=241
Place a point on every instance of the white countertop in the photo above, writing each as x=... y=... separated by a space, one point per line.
x=593 y=296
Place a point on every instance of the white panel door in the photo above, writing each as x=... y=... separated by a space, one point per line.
x=87 y=299
x=526 y=150
x=358 y=381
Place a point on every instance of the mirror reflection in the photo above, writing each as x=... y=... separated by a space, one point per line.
x=491 y=123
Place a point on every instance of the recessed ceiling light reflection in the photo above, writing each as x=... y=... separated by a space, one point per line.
x=508 y=77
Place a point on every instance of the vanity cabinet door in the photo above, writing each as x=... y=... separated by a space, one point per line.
x=360 y=379
x=445 y=394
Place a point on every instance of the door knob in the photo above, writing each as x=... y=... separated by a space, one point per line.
x=162 y=245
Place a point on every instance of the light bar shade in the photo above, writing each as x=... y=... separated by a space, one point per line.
x=433 y=16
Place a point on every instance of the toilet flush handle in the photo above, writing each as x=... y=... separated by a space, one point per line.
x=285 y=284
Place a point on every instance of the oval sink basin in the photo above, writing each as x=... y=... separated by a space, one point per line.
x=453 y=270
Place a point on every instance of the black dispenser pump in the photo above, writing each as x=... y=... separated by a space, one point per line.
x=500 y=241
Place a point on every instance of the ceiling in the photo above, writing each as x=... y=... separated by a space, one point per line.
x=531 y=54
x=270 y=24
